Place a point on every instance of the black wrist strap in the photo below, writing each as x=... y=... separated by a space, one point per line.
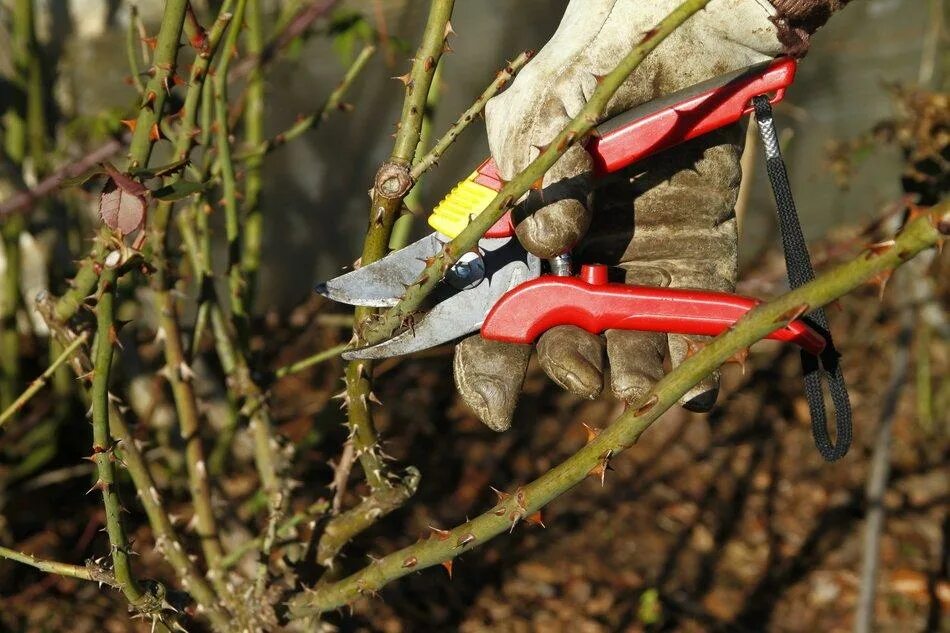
x=800 y=272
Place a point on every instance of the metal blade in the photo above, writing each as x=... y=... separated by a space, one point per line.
x=382 y=283
x=461 y=312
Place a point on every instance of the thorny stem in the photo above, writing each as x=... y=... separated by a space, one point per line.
x=60 y=569
x=345 y=527
x=501 y=79
x=166 y=539
x=392 y=185
x=626 y=430
x=143 y=138
x=103 y=447
x=156 y=90
x=177 y=371
x=43 y=378
x=402 y=229
x=574 y=132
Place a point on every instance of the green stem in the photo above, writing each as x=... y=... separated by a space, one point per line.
x=156 y=90
x=166 y=539
x=60 y=569
x=392 y=185
x=310 y=361
x=9 y=305
x=131 y=49
x=254 y=136
x=312 y=121
x=177 y=370
x=502 y=78
x=413 y=202
x=232 y=220
x=626 y=430
x=41 y=381
x=102 y=448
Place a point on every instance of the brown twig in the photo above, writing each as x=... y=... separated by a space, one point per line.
x=24 y=200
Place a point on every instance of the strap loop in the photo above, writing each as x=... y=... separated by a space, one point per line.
x=800 y=271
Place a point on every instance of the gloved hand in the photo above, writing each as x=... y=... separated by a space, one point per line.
x=668 y=220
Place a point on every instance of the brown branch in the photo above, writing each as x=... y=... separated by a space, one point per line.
x=24 y=200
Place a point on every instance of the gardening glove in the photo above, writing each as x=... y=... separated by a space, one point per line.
x=667 y=221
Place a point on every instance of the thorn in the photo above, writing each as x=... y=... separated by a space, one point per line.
x=592 y=432
x=99 y=485
x=185 y=372
x=429 y=63
x=502 y=496
x=114 y=336
x=880 y=280
x=567 y=141
x=740 y=358
x=448 y=567
x=792 y=314
x=405 y=79
x=879 y=248
x=448 y=29
x=535 y=519
x=600 y=470
x=442 y=535
x=410 y=562
x=465 y=539
x=374 y=399
x=151 y=42
x=693 y=347
x=129 y=123
x=646 y=406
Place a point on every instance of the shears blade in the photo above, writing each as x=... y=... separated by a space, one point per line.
x=458 y=312
x=382 y=283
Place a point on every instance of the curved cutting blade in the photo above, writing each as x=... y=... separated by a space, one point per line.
x=461 y=312
x=382 y=283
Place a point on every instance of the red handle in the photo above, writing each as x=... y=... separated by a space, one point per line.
x=589 y=302
x=663 y=123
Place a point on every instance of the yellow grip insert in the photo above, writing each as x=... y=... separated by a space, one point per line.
x=465 y=200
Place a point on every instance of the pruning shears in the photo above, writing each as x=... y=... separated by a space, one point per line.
x=500 y=289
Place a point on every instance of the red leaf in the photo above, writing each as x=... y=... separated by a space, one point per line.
x=120 y=210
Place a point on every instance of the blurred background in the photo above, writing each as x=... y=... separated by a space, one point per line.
x=727 y=521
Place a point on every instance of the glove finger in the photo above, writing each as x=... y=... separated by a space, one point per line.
x=701 y=397
x=552 y=220
x=488 y=376
x=636 y=362
x=574 y=359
